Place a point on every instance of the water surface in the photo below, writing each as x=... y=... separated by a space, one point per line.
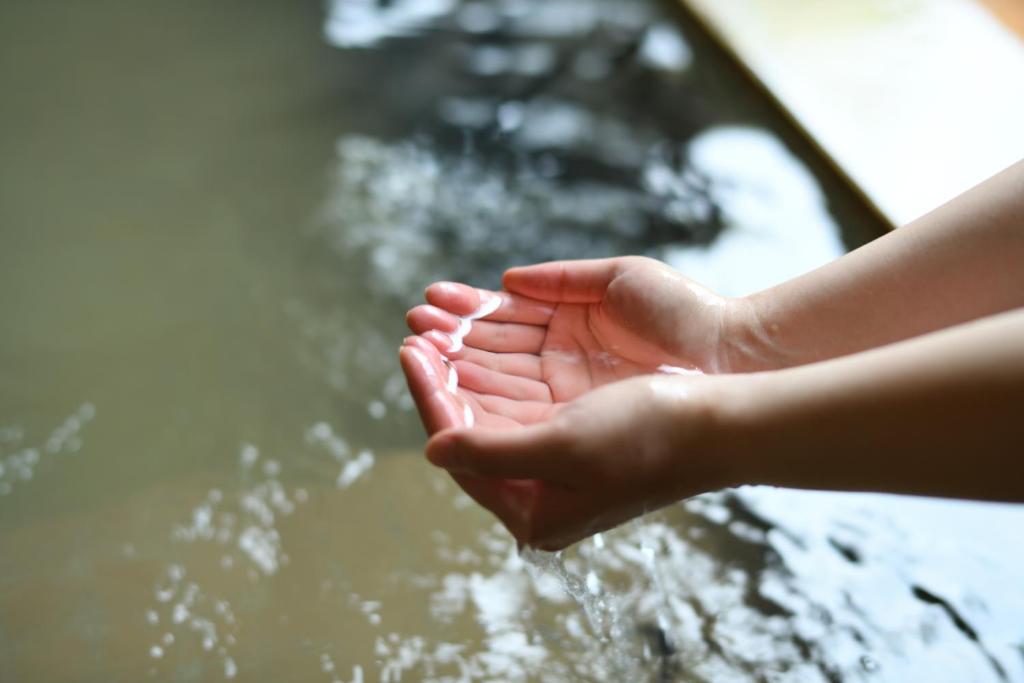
x=212 y=218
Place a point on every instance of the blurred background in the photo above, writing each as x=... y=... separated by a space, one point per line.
x=213 y=217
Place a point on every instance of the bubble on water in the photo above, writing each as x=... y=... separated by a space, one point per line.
x=363 y=23
x=319 y=431
x=21 y=466
x=664 y=48
x=180 y=613
x=510 y=115
x=377 y=409
x=86 y=412
x=321 y=434
x=262 y=546
x=156 y=652
x=249 y=455
x=230 y=668
x=11 y=434
x=152 y=616
x=355 y=468
x=478 y=17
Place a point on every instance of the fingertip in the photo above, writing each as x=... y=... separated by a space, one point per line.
x=440 y=341
x=453 y=297
x=509 y=276
x=441 y=448
x=427 y=317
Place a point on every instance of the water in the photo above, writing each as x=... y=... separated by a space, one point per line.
x=212 y=219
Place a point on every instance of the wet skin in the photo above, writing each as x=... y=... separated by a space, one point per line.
x=563 y=331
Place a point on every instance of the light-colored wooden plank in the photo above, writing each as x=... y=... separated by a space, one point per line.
x=915 y=100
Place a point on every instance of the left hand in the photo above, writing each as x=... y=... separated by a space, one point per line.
x=615 y=453
x=525 y=363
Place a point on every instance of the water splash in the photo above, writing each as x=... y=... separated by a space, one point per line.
x=18 y=462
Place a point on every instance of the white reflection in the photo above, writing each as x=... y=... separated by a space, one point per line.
x=322 y=436
x=240 y=526
x=363 y=23
x=19 y=462
x=777 y=223
x=664 y=48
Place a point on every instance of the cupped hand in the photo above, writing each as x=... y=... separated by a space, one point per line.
x=528 y=375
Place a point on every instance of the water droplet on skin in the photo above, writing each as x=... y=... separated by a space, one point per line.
x=489 y=304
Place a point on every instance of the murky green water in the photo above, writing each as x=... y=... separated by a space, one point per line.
x=212 y=218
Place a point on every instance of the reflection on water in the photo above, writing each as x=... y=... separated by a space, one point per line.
x=18 y=462
x=218 y=268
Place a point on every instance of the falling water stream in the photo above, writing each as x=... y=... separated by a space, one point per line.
x=212 y=219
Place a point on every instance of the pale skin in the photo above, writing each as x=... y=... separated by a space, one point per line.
x=897 y=368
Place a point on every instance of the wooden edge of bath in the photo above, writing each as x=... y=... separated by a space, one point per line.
x=711 y=29
x=885 y=92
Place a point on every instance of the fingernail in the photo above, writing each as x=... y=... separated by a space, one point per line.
x=441 y=340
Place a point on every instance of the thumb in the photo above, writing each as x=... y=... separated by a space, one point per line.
x=531 y=452
x=574 y=282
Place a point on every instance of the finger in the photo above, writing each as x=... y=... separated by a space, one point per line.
x=506 y=337
x=462 y=299
x=437 y=407
x=486 y=381
x=530 y=452
x=456 y=297
x=424 y=318
x=443 y=368
x=442 y=342
x=525 y=365
x=482 y=417
x=581 y=282
x=518 y=412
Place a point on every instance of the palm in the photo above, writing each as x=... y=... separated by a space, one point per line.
x=586 y=347
x=518 y=365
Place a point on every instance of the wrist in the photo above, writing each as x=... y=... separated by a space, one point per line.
x=749 y=339
x=707 y=424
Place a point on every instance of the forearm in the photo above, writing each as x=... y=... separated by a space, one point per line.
x=963 y=261
x=938 y=415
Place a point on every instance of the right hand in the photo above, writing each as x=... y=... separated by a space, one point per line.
x=615 y=453
x=563 y=329
x=593 y=321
